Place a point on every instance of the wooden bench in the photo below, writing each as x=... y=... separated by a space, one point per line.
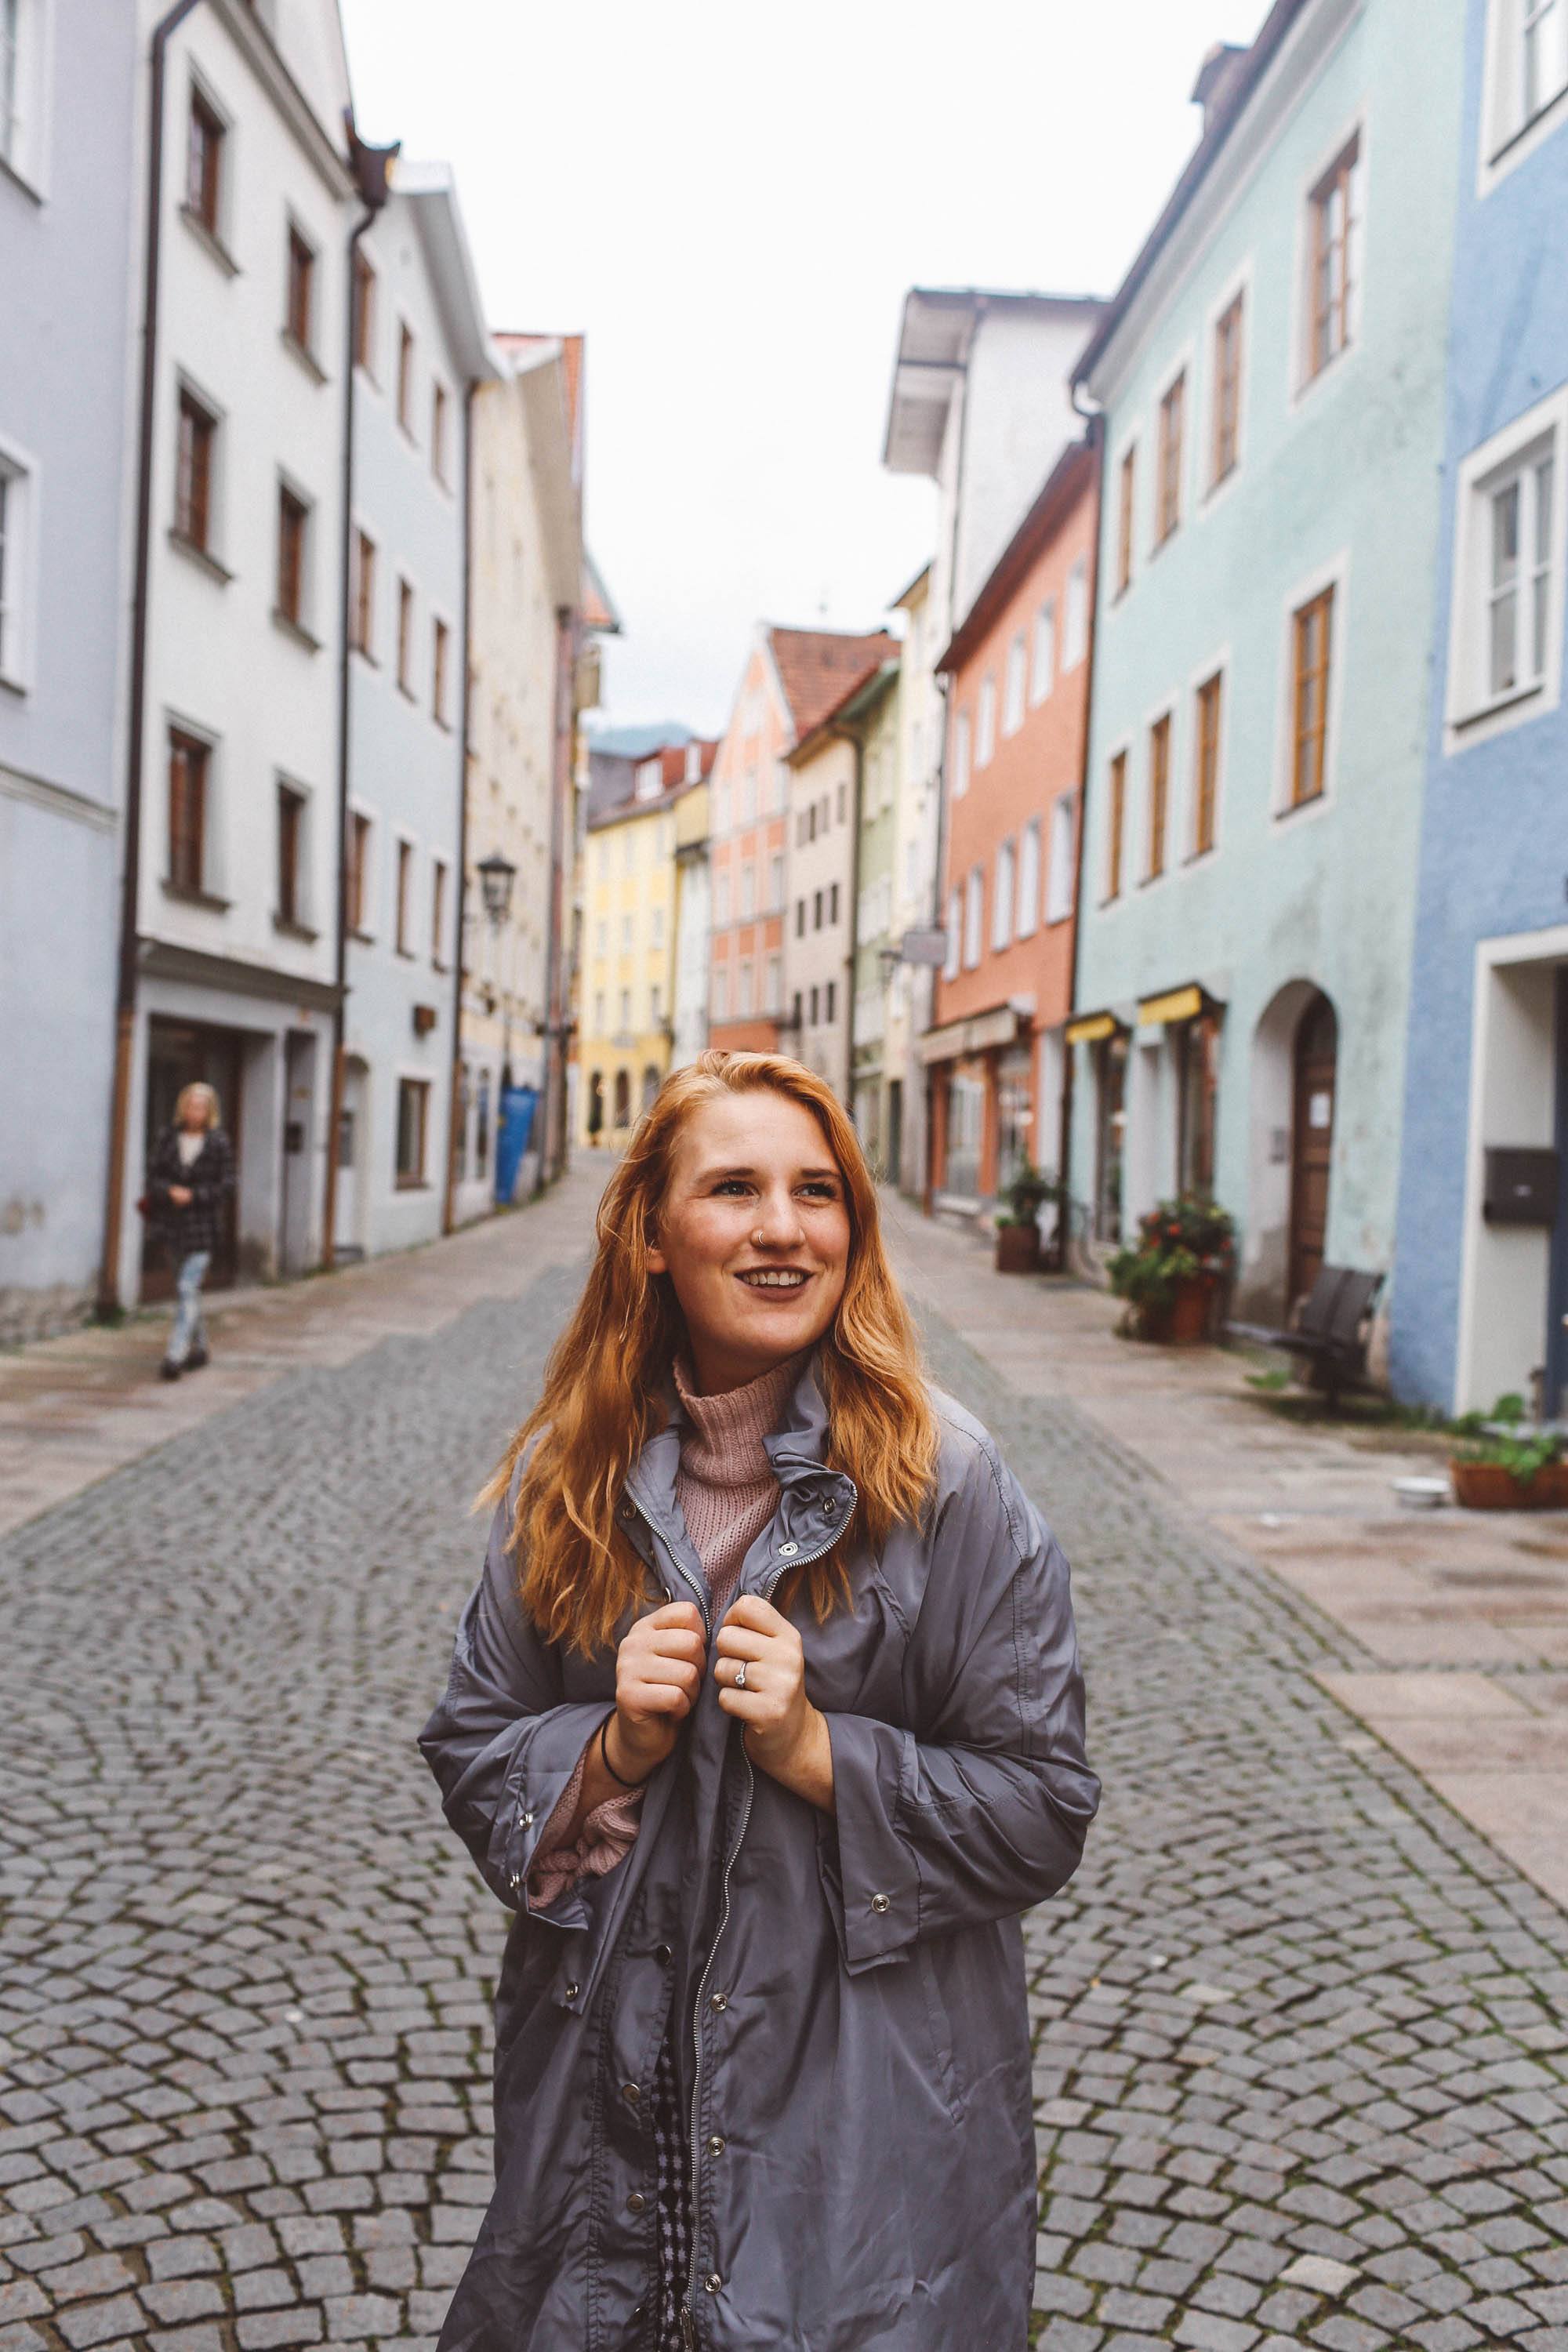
x=1331 y=1332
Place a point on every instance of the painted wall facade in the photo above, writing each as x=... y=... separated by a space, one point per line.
x=750 y=794
x=818 y=930
x=623 y=1036
x=1477 y=1302
x=1250 y=948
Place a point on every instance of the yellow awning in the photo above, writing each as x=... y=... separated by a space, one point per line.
x=1176 y=1004
x=1092 y=1028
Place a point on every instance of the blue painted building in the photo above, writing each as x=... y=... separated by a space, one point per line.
x=1481 y=1284
x=1271 y=379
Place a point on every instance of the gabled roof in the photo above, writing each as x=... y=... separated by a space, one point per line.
x=598 y=613
x=851 y=711
x=818 y=668
x=431 y=193
x=1069 y=478
x=934 y=335
x=1224 y=105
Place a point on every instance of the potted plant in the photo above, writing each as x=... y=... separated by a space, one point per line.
x=1499 y=1465
x=1017 y=1224
x=1171 y=1276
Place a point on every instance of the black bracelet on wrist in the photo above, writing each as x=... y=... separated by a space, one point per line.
x=604 y=1760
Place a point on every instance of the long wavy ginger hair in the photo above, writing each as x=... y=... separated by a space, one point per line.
x=607 y=1379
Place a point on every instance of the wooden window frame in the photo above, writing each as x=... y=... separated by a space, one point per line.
x=1116 y=834
x=1159 y=797
x=413 y=1179
x=364 y=610
x=1311 y=680
x=440 y=416
x=1208 y=714
x=366 y=283
x=293 y=528
x=356 y=872
x=204 y=189
x=440 y=669
x=197 y=429
x=1171 y=457
x=190 y=771
x=1331 y=292
x=406 y=376
x=1126 y=511
x=439 y=873
x=403 y=890
x=300 y=309
x=290 y=844
x=406 y=637
x=1224 y=451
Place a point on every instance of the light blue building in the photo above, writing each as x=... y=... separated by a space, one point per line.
x=1481 y=1284
x=1271 y=378
x=64 y=263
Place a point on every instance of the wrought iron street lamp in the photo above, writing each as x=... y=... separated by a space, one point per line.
x=497 y=874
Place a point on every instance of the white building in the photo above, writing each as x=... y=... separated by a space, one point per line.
x=420 y=343
x=981 y=406
x=232 y=779
x=527 y=562
x=65 y=223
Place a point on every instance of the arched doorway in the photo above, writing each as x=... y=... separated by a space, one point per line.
x=1315 y=1061
x=623 y=1118
x=651 y=1082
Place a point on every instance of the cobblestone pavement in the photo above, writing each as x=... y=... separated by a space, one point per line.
x=1301 y=2061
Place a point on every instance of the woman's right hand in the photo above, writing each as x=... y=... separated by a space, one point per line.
x=659 y=1673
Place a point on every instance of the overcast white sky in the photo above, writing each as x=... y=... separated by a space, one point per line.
x=730 y=200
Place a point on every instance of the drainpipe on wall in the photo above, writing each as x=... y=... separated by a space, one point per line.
x=108 y=1302
x=371 y=169
x=1095 y=420
x=454 y=1116
x=551 y=1108
x=928 y=1187
x=854 y=915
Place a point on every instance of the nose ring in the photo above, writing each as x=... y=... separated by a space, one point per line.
x=756 y=1241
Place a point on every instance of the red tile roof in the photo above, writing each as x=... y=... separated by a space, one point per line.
x=820 y=669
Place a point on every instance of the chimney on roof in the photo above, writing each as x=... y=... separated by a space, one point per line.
x=1216 y=76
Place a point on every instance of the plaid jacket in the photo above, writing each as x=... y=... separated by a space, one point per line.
x=210 y=1179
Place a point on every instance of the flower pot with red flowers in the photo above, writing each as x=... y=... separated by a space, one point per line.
x=1175 y=1277
x=1503 y=1467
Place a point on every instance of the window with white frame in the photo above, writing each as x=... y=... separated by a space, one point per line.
x=1002 y=897
x=985 y=721
x=961 y=755
x=1527 y=77
x=954 y=926
x=748 y=891
x=1542 y=54
x=1505 y=658
x=1075 y=626
x=1043 y=675
x=1061 y=872
x=1028 y=913
x=1013 y=700
x=1334 y=211
x=14 y=488
x=12 y=117
x=974 y=916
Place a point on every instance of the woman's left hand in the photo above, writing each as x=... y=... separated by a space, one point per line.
x=786 y=1735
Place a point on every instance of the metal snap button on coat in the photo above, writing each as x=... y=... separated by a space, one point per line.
x=712 y=2282
x=573 y=1990
x=663 y=1955
x=528 y=1821
x=636 y=2201
x=879 y=1903
x=719 y=2001
x=716 y=2144
x=788 y=1550
x=630 y=2093
x=628 y=1510
x=830 y=1507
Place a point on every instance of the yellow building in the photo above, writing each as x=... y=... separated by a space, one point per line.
x=628 y=986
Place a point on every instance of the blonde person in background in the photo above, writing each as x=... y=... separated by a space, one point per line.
x=189 y=1179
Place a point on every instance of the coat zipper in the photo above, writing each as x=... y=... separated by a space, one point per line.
x=688 y=2307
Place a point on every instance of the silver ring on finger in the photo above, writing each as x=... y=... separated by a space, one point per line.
x=741 y=1675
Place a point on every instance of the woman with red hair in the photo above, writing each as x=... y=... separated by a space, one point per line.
x=766 y=1720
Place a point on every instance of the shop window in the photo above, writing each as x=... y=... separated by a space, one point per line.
x=413 y=1131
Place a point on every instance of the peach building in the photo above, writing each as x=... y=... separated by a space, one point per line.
x=793 y=678
x=1018 y=668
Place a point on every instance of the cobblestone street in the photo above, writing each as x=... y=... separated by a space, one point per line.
x=1302 y=2070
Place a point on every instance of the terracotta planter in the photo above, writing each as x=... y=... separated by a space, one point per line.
x=1488 y=1486
x=1017 y=1249
x=1189 y=1313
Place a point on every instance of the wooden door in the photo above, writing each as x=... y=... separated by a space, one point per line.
x=1311 y=1142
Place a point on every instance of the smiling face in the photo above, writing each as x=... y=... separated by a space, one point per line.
x=754 y=1232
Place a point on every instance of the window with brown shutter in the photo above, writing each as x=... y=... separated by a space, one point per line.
x=292 y=514
x=405 y=377
x=300 y=319
x=406 y=637
x=1172 y=436
x=1158 y=794
x=1227 y=391
x=1309 y=697
x=364 y=313
x=290 y=827
x=188 y=759
x=405 y=884
x=193 y=473
x=1124 y=516
x=1334 y=258
x=365 y=592
x=356 y=879
x=438 y=432
x=440 y=663
x=1206 y=782
x=204 y=163
x=1118 y=814
x=438 y=912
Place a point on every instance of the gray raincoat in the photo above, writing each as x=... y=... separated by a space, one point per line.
x=847 y=1993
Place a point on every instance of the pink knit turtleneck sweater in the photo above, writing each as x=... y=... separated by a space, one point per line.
x=727 y=1492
